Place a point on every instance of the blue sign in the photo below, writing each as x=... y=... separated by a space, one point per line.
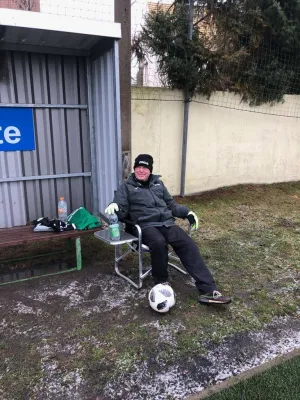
x=16 y=129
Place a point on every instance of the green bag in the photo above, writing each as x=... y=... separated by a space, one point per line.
x=82 y=219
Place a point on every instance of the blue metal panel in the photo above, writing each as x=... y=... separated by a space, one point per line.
x=16 y=129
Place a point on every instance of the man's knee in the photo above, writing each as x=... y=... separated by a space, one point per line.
x=178 y=234
x=155 y=242
x=158 y=243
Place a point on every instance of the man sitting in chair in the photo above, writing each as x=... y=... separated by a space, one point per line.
x=144 y=200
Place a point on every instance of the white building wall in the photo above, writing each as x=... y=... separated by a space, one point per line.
x=225 y=146
x=100 y=10
x=139 y=10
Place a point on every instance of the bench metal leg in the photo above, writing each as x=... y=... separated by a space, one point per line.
x=78 y=254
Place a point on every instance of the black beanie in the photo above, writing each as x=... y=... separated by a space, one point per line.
x=144 y=160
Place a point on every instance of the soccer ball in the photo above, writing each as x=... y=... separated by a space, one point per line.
x=161 y=298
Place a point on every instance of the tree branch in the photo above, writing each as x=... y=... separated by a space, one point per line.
x=202 y=19
x=173 y=4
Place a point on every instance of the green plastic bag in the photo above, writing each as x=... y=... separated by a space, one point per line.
x=82 y=219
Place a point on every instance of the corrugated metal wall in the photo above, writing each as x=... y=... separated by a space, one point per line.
x=61 y=134
x=105 y=126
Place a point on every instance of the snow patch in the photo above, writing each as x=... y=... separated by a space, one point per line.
x=167 y=332
x=111 y=295
x=21 y=308
x=57 y=384
x=232 y=357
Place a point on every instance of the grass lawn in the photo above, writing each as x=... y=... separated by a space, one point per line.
x=249 y=238
x=281 y=382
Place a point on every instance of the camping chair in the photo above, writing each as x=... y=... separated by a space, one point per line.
x=131 y=236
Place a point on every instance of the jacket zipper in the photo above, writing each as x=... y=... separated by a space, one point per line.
x=154 y=200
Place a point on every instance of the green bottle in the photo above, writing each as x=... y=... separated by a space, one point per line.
x=114 y=227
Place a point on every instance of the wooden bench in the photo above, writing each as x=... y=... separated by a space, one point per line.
x=24 y=234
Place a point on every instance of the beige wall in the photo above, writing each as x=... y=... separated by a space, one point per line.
x=225 y=146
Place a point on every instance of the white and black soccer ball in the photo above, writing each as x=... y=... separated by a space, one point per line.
x=162 y=298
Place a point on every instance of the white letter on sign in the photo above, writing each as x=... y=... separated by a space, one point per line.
x=12 y=132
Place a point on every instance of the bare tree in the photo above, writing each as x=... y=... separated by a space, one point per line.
x=26 y=5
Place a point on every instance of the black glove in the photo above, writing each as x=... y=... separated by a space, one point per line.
x=191 y=219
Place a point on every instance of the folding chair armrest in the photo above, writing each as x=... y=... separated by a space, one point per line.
x=138 y=228
x=127 y=221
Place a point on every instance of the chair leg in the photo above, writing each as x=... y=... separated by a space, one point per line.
x=141 y=276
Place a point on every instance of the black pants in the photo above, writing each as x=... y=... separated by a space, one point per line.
x=157 y=238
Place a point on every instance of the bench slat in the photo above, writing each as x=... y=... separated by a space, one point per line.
x=22 y=234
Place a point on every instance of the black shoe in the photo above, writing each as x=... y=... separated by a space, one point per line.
x=162 y=281
x=214 y=297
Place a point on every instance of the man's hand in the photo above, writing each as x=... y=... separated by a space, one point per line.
x=111 y=208
x=193 y=220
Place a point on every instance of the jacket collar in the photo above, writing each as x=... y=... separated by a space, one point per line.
x=132 y=181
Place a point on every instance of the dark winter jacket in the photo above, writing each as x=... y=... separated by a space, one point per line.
x=147 y=205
